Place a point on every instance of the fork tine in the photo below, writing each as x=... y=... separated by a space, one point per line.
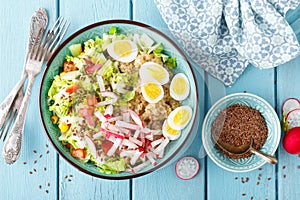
x=8 y=117
x=13 y=117
x=63 y=27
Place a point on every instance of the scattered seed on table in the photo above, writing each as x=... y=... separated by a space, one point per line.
x=71 y=175
x=47 y=152
x=47 y=191
x=269 y=179
x=243 y=194
x=66 y=176
x=259 y=175
x=260 y=168
x=34 y=170
x=243 y=180
x=41 y=156
x=298 y=155
x=257 y=183
x=284 y=175
x=45 y=169
x=34 y=151
x=35 y=162
x=40 y=186
x=283 y=167
x=236 y=178
x=30 y=172
x=298 y=166
x=48 y=184
x=24 y=163
x=247 y=179
x=47 y=146
x=69 y=180
x=251 y=198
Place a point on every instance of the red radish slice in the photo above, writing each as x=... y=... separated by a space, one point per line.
x=113 y=119
x=293 y=118
x=135 y=117
x=126 y=153
x=290 y=104
x=129 y=144
x=127 y=125
x=113 y=96
x=113 y=149
x=187 y=167
x=141 y=166
x=110 y=133
x=91 y=146
x=135 y=157
x=93 y=68
x=101 y=83
x=151 y=156
x=135 y=141
x=108 y=111
x=156 y=142
x=100 y=116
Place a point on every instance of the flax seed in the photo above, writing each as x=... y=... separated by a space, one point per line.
x=24 y=163
x=34 y=151
x=243 y=194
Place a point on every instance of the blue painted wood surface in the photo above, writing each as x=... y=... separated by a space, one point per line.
x=41 y=174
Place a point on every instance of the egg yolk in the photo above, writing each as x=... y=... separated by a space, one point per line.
x=122 y=49
x=171 y=131
x=179 y=86
x=152 y=90
x=181 y=117
x=157 y=72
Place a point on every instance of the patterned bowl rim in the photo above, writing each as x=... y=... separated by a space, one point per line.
x=207 y=147
x=137 y=24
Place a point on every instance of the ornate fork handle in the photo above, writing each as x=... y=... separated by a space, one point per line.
x=38 y=21
x=12 y=147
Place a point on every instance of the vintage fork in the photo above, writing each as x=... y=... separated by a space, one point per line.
x=12 y=147
x=11 y=116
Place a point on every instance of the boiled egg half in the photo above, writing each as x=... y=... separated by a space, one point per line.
x=152 y=92
x=180 y=117
x=151 y=71
x=170 y=133
x=123 y=50
x=179 y=87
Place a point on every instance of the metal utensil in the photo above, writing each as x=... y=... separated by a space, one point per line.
x=11 y=150
x=39 y=20
x=243 y=149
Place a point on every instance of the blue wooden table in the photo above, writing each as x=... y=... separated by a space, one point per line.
x=41 y=174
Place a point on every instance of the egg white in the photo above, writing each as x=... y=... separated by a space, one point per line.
x=172 y=115
x=167 y=134
x=126 y=59
x=145 y=95
x=147 y=69
x=185 y=93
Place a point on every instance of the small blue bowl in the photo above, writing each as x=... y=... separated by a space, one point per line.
x=270 y=146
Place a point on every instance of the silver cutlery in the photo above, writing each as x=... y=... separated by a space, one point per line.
x=38 y=21
x=37 y=55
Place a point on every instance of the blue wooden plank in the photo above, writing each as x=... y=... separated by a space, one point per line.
x=16 y=180
x=164 y=184
x=72 y=183
x=259 y=184
x=288 y=170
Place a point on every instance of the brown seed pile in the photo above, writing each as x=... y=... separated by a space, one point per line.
x=237 y=124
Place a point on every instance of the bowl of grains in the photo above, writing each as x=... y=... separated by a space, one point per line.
x=237 y=119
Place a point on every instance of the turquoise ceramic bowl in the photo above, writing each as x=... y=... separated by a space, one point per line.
x=270 y=146
x=54 y=67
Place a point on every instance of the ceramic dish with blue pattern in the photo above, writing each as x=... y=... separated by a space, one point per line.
x=54 y=68
x=270 y=146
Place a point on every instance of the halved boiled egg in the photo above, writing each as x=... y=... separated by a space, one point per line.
x=123 y=50
x=150 y=71
x=152 y=92
x=170 y=133
x=180 y=117
x=179 y=87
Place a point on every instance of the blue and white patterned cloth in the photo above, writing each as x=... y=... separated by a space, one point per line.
x=224 y=36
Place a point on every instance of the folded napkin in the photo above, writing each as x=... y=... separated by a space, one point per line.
x=223 y=37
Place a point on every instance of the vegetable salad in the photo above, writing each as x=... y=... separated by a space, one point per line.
x=104 y=101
